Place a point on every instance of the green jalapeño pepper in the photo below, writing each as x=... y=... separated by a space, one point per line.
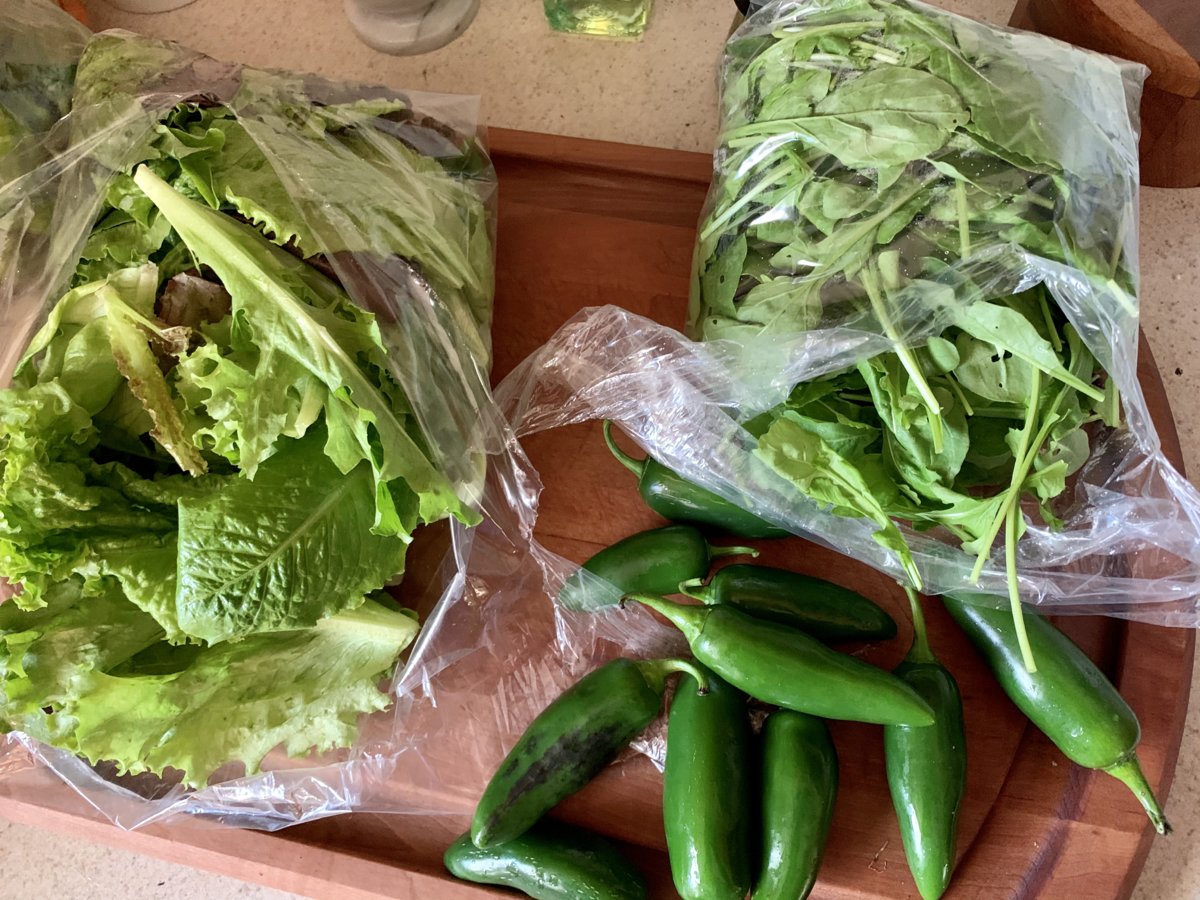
x=653 y=562
x=1068 y=698
x=550 y=862
x=786 y=667
x=706 y=791
x=799 y=786
x=571 y=740
x=679 y=500
x=821 y=608
x=927 y=767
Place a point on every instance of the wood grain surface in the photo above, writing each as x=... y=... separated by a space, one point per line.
x=585 y=223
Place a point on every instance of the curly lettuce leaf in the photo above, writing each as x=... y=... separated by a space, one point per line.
x=285 y=306
x=240 y=402
x=95 y=677
x=49 y=660
x=53 y=514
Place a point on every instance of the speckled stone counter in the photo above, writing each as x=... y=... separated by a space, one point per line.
x=661 y=92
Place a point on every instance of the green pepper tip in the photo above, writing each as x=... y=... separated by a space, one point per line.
x=1128 y=770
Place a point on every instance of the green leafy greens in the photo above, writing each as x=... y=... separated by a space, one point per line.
x=889 y=167
x=208 y=470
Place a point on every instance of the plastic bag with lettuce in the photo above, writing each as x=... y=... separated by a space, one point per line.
x=245 y=330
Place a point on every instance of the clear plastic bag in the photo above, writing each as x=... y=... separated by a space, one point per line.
x=392 y=196
x=1129 y=542
x=886 y=171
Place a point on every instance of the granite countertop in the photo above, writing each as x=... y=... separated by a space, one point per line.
x=660 y=91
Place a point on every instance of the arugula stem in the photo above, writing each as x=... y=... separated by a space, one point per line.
x=801 y=32
x=1114 y=256
x=730 y=211
x=957 y=391
x=1127 y=304
x=1035 y=446
x=920 y=650
x=882 y=54
x=1038 y=200
x=870 y=282
x=834 y=58
x=1023 y=464
x=1014 y=587
x=1055 y=340
x=1031 y=411
x=1013 y=492
x=1111 y=412
x=964 y=231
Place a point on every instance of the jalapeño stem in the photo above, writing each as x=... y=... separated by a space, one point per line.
x=656 y=672
x=919 y=652
x=636 y=466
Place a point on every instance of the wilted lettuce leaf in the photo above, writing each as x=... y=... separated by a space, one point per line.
x=128 y=299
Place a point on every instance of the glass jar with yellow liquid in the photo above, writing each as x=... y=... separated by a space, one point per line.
x=606 y=18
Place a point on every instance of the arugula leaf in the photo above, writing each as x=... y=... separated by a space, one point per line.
x=830 y=480
x=990 y=372
x=1010 y=332
x=887 y=167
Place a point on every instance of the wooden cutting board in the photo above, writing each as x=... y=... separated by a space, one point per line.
x=585 y=223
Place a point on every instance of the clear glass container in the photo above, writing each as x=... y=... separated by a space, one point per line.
x=406 y=27
x=606 y=18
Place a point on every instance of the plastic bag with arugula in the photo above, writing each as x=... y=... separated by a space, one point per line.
x=245 y=328
x=915 y=288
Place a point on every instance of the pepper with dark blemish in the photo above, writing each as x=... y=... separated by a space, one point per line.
x=570 y=741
